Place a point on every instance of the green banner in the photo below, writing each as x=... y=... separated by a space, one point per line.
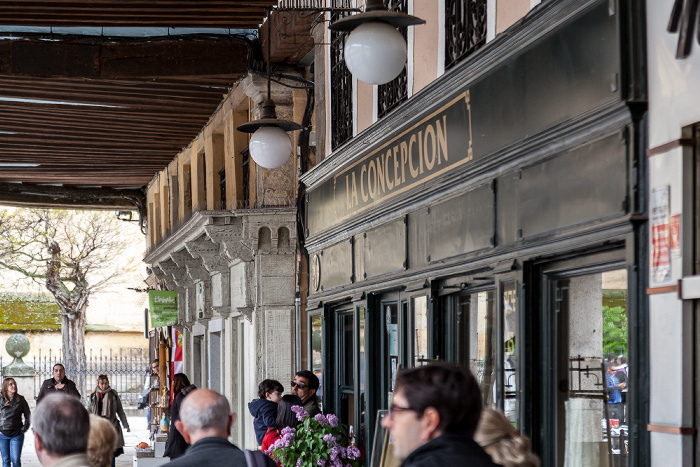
x=163 y=307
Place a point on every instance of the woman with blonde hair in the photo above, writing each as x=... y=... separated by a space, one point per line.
x=102 y=441
x=502 y=442
x=105 y=402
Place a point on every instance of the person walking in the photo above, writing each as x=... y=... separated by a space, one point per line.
x=176 y=445
x=105 y=402
x=12 y=408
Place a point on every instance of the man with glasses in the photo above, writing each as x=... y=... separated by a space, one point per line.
x=57 y=383
x=433 y=416
x=304 y=386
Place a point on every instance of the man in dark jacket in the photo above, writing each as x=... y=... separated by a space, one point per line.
x=57 y=383
x=433 y=416
x=205 y=423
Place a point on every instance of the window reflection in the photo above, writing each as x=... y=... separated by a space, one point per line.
x=482 y=355
x=420 y=334
x=316 y=330
x=510 y=327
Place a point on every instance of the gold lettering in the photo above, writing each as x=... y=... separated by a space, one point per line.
x=429 y=132
x=389 y=183
x=420 y=151
x=414 y=171
x=404 y=158
x=362 y=183
x=442 y=138
x=380 y=174
x=354 y=190
x=372 y=184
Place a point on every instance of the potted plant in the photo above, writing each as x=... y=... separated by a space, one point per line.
x=318 y=441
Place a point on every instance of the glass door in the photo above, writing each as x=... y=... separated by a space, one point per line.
x=589 y=316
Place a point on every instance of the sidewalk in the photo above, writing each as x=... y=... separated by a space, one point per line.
x=139 y=432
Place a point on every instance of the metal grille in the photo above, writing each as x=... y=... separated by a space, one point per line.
x=341 y=87
x=465 y=28
x=222 y=187
x=127 y=370
x=391 y=94
x=245 y=170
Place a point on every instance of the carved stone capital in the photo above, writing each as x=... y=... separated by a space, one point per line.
x=194 y=266
x=230 y=237
x=209 y=252
x=176 y=275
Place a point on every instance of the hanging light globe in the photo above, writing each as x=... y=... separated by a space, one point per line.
x=270 y=147
x=375 y=52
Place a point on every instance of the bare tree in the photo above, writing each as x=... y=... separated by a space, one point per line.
x=72 y=254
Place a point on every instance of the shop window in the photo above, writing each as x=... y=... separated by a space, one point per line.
x=465 y=29
x=341 y=87
x=420 y=330
x=590 y=312
x=316 y=348
x=391 y=94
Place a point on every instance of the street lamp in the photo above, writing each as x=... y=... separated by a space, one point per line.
x=375 y=51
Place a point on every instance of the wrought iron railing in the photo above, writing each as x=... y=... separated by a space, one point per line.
x=127 y=370
x=465 y=28
x=391 y=94
x=341 y=87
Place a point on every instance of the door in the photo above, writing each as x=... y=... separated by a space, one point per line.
x=587 y=350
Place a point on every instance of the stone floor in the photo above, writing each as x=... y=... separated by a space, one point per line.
x=139 y=432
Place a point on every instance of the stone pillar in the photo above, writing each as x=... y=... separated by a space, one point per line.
x=17 y=346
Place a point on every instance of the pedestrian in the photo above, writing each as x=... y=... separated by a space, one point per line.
x=304 y=386
x=433 y=416
x=105 y=402
x=57 y=383
x=205 y=422
x=176 y=445
x=613 y=387
x=502 y=442
x=264 y=408
x=285 y=418
x=102 y=441
x=13 y=407
x=61 y=426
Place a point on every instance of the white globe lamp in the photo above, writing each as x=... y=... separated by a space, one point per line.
x=375 y=52
x=270 y=147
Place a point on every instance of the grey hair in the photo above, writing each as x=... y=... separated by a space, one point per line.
x=212 y=416
x=62 y=423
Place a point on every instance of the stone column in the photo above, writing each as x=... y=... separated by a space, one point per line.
x=17 y=346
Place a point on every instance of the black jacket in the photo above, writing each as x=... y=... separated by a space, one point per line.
x=449 y=450
x=48 y=387
x=11 y=415
x=176 y=445
x=264 y=414
x=214 y=452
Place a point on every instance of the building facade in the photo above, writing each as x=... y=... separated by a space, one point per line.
x=488 y=208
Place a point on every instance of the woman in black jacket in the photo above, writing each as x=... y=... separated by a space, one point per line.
x=12 y=408
x=176 y=445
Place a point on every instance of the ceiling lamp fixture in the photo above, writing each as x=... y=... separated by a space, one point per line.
x=270 y=146
x=375 y=51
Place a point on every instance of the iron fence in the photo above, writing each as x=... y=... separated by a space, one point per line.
x=127 y=370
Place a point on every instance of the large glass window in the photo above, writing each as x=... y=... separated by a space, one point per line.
x=316 y=348
x=510 y=363
x=592 y=368
x=420 y=330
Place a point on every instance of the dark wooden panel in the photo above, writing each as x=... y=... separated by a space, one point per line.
x=558 y=193
x=336 y=265
x=461 y=225
x=385 y=249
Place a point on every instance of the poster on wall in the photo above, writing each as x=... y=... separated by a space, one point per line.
x=675 y=231
x=660 y=235
x=162 y=305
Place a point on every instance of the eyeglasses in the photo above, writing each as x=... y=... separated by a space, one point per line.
x=298 y=385
x=394 y=409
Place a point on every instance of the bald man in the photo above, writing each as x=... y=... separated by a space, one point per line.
x=205 y=423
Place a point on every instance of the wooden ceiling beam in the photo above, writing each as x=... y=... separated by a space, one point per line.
x=121 y=60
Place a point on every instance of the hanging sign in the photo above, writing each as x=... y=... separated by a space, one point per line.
x=163 y=307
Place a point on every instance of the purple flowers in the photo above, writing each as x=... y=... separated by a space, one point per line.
x=333 y=420
x=317 y=441
x=301 y=413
